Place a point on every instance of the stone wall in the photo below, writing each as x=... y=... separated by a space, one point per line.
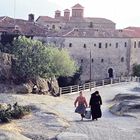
x=108 y=56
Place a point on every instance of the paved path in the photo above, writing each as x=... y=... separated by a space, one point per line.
x=109 y=127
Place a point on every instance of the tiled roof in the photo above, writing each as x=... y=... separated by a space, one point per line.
x=131 y=32
x=97 y=20
x=66 y=10
x=46 y=19
x=57 y=11
x=90 y=33
x=24 y=27
x=77 y=6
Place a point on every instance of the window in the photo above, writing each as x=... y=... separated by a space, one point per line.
x=94 y=44
x=125 y=44
x=122 y=59
x=91 y=25
x=110 y=44
x=81 y=60
x=139 y=44
x=117 y=45
x=135 y=44
x=100 y=45
x=84 y=45
x=106 y=45
x=4 y=32
x=102 y=60
x=70 y=44
x=53 y=26
x=92 y=60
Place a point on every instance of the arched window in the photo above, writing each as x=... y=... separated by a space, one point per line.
x=102 y=60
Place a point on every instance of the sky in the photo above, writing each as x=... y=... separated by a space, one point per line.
x=123 y=12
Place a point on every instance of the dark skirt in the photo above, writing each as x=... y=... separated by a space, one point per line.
x=96 y=112
x=80 y=109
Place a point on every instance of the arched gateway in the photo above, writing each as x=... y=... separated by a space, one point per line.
x=110 y=73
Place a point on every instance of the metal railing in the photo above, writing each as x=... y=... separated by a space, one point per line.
x=91 y=85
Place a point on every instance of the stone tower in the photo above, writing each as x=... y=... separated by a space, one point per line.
x=57 y=14
x=78 y=11
x=66 y=14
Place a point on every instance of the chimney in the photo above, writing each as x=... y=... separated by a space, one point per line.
x=66 y=14
x=57 y=14
x=31 y=17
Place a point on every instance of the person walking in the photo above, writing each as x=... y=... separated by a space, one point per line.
x=82 y=104
x=95 y=105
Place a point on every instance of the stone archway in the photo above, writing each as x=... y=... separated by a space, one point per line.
x=110 y=73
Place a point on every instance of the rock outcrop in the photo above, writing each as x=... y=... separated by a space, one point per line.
x=125 y=104
x=7 y=85
x=5 y=67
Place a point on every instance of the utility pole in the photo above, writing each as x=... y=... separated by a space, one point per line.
x=90 y=69
x=14 y=12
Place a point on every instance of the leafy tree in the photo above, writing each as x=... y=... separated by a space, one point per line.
x=35 y=59
x=136 y=70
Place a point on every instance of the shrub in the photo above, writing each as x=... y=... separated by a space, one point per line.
x=15 y=112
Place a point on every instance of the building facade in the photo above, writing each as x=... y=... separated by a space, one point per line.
x=98 y=48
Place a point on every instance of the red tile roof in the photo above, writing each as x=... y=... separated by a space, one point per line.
x=77 y=6
x=24 y=27
x=131 y=32
x=46 y=19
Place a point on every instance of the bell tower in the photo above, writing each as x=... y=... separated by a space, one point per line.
x=78 y=11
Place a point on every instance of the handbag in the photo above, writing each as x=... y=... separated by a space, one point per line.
x=88 y=114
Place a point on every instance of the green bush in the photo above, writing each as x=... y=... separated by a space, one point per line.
x=136 y=70
x=15 y=112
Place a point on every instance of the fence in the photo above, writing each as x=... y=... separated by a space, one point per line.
x=91 y=85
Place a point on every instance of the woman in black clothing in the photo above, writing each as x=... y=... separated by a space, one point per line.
x=95 y=104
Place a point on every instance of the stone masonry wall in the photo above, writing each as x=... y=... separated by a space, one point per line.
x=111 y=56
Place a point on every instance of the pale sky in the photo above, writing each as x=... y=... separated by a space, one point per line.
x=123 y=12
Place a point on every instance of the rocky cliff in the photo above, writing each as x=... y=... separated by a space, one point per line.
x=8 y=86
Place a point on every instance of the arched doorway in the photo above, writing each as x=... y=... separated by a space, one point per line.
x=110 y=72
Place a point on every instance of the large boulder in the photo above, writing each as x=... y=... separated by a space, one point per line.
x=23 y=88
x=126 y=104
x=121 y=97
x=47 y=86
